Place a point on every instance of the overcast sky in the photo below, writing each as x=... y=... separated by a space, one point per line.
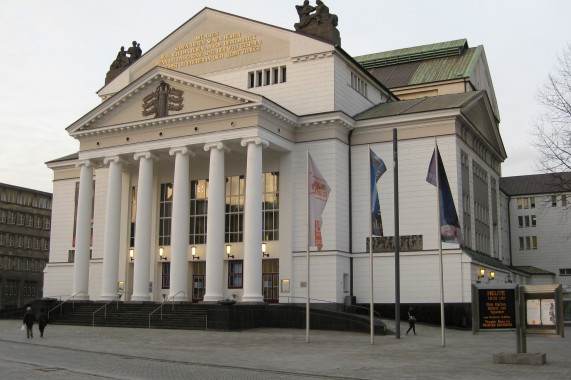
x=55 y=54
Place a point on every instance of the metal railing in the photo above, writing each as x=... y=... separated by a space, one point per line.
x=60 y=305
x=335 y=304
x=105 y=309
x=161 y=306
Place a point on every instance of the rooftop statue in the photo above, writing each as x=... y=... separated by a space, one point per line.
x=317 y=22
x=123 y=61
x=134 y=52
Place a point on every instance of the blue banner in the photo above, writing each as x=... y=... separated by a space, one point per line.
x=450 y=230
x=377 y=169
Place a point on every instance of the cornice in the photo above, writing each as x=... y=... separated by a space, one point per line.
x=87 y=121
x=320 y=121
x=421 y=117
x=310 y=57
x=174 y=120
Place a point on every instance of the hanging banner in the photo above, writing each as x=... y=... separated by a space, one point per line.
x=377 y=167
x=318 y=193
x=450 y=230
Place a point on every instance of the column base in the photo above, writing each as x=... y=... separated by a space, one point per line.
x=177 y=298
x=108 y=297
x=81 y=297
x=213 y=299
x=252 y=299
x=140 y=298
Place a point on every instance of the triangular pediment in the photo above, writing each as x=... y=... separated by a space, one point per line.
x=480 y=114
x=159 y=94
x=214 y=41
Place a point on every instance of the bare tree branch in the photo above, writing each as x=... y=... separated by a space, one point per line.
x=552 y=135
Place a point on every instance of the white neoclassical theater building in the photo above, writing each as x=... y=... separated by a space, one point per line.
x=196 y=159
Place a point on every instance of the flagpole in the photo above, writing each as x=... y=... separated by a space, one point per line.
x=307 y=258
x=371 y=302
x=440 y=266
x=397 y=234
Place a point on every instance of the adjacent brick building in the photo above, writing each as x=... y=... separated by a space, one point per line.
x=25 y=218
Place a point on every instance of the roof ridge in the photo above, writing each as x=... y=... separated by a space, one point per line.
x=413 y=54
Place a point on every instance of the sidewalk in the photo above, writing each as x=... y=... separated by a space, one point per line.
x=73 y=352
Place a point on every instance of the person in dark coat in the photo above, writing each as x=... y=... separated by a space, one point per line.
x=42 y=322
x=29 y=319
x=411 y=320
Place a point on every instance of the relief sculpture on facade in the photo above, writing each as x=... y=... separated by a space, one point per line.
x=407 y=243
x=164 y=99
x=317 y=22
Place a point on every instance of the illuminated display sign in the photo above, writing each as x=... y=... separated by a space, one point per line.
x=496 y=308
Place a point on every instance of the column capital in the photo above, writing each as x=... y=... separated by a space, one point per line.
x=182 y=150
x=147 y=155
x=218 y=145
x=114 y=159
x=86 y=163
x=255 y=140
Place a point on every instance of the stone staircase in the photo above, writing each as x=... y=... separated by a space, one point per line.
x=193 y=316
x=184 y=316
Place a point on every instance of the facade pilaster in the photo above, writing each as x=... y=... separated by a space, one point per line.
x=215 y=233
x=180 y=224
x=142 y=254
x=112 y=229
x=83 y=231
x=253 y=221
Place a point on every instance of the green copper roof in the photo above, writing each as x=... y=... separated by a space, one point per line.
x=413 y=54
x=426 y=104
x=423 y=64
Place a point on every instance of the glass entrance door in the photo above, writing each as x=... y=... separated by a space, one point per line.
x=270 y=281
x=198 y=281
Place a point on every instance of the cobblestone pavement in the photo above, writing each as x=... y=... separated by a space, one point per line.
x=73 y=352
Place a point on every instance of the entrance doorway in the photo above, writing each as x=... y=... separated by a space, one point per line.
x=198 y=281
x=270 y=280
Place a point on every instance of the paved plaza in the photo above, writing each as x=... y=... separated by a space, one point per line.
x=73 y=352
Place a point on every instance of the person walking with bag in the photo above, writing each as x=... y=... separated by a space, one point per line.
x=411 y=320
x=29 y=319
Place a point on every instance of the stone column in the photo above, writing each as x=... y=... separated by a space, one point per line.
x=83 y=231
x=253 y=221
x=112 y=226
x=180 y=224
x=143 y=227
x=215 y=224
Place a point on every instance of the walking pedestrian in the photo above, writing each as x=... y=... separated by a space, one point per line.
x=411 y=320
x=42 y=322
x=29 y=319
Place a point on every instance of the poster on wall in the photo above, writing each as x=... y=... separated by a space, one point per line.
x=533 y=312
x=548 y=312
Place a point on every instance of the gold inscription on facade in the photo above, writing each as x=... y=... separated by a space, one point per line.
x=210 y=47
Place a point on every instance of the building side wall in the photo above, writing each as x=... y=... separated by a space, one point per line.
x=347 y=98
x=62 y=220
x=58 y=280
x=419 y=278
x=308 y=87
x=552 y=232
x=420 y=91
x=417 y=198
x=505 y=223
x=58 y=274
